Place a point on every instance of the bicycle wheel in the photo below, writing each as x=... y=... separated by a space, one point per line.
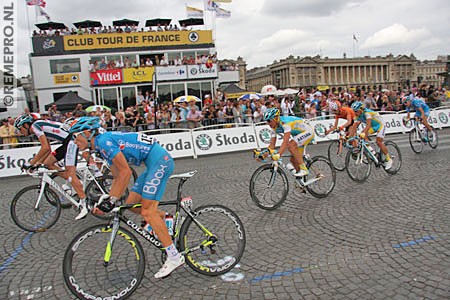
x=320 y=167
x=133 y=173
x=227 y=242
x=434 y=140
x=415 y=140
x=396 y=156
x=27 y=216
x=336 y=155
x=84 y=269
x=268 y=188
x=358 y=169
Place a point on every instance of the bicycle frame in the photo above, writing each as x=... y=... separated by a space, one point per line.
x=363 y=147
x=119 y=217
x=299 y=180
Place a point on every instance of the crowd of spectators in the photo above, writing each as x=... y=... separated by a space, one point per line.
x=107 y=29
x=219 y=111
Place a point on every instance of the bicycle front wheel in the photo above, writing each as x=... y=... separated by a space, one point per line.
x=358 y=166
x=415 y=140
x=31 y=218
x=396 y=156
x=320 y=168
x=214 y=241
x=268 y=188
x=433 y=139
x=336 y=155
x=88 y=276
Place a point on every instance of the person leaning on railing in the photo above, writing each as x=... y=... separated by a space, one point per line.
x=8 y=133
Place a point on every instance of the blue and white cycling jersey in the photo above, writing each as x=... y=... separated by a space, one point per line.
x=134 y=146
x=137 y=148
x=417 y=103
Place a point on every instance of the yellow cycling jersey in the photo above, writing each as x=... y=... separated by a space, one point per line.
x=290 y=124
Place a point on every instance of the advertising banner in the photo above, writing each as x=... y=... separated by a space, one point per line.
x=48 y=45
x=171 y=73
x=224 y=140
x=106 y=77
x=72 y=78
x=136 y=39
x=177 y=144
x=202 y=71
x=138 y=74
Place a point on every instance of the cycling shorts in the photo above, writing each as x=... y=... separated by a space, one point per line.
x=67 y=151
x=419 y=115
x=152 y=183
x=304 y=138
x=380 y=132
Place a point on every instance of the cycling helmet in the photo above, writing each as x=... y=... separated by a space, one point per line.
x=271 y=113
x=85 y=123
x=335 y=105
x=406 y=99
x=23 y=119
x=357 y=105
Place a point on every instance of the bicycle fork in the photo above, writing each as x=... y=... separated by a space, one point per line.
x=109 y=245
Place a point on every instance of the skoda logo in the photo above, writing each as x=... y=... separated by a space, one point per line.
x=265 y=135
x=443 y=118
x=194 y=71
x=74 y=78
x=193 y=37
x=319 y=129
x=204 y=142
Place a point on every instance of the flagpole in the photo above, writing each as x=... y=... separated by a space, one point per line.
x=29 y=30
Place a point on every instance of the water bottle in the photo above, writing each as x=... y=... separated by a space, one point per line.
x=169 y=223
x=291 y=168
x=371 y=150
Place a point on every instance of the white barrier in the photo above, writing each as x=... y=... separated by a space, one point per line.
x=207 y=140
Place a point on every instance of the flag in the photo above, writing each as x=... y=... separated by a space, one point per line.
x=192 y=12
x=223 y=1
x=36 y=2
x=354 y=37
x=211 y=5
x=41 y=12
x=222 y=13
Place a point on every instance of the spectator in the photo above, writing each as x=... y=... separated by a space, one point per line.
x=135 y=64
x=163 y=61
x=91 y=67
x=119 y=64
x=54 y=113
x=257 y=115
x=148 y=62
x=109 y=120
x=177 y=61
x=207 y=100
x=8 y=133
x=177 y=119
x=79 y=111
x=103 y=65
x=163 y=117
x=150 y=119
x=193 y=117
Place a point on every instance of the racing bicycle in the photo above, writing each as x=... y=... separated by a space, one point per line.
x=358 y=162
x=107 y=261
x=337 y=151
x=37 y=208
x=269 y=184
x=419 y=136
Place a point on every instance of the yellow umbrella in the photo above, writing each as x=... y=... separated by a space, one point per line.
x=187 y=98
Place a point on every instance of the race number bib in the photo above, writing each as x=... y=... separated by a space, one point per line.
x=146 y=139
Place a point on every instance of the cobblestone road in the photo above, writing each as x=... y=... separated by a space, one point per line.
x=388 y=238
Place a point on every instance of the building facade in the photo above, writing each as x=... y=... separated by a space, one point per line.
x=387 y=72
x=428 y=70
x=110 y=69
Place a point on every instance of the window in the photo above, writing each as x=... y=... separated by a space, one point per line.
x=58 y=66
x=164 y=93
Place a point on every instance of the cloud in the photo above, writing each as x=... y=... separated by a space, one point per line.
x=316 y=8
x=395 y=34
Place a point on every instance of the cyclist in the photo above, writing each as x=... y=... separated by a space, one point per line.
x=340 y=112
x=118 y=149
x=296 y=135
x=48 y=130
x=422 y=111
x=374 y=123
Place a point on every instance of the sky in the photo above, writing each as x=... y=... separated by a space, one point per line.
x=263 y=31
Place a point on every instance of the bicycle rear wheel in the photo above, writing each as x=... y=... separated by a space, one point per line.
x=27 y=216
x=396 y=156
x=320 y=167
x=358 y=169
x=218 y=253
x=268 y=188
x=415 y=140
x=65 y=203
x=336 y=155
x=433 y=141
x=85 y=272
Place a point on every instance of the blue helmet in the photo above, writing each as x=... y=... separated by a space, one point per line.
x=271 y=113
x=85 y=123
x=357 y=105
x=23 y=119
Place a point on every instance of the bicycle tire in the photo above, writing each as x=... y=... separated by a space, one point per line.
x=415 y=141
x=255 y=187
x=228 y=248
x=354 y=171
x=396 y=156
x=134 y=174
x=46 y=215
x=321 y=166
x=336 y=156
x=435 y=140
x=93 y=193
x=85 y=273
